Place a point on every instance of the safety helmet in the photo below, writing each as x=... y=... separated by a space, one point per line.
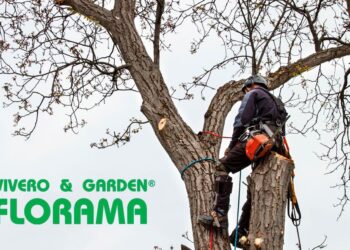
x=259 y=80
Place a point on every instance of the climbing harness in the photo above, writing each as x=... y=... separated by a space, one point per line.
x=239 y=198
x=294 y=214
x=194 y=162
x=260 y=141
x=213 y=134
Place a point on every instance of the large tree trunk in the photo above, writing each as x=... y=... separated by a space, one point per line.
x=199 y=183
x=269 y=187
x=177 y=138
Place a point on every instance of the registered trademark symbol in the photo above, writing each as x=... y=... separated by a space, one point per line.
x=151 y=183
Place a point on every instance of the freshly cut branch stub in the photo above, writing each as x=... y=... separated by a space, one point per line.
x=258 y=243
x=162 y=124
x=244 y=241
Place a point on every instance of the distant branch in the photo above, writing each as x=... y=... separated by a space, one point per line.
x=120 y=139
x=303 y=11
x=157 y=29
x=272 y=35
x=322 y=245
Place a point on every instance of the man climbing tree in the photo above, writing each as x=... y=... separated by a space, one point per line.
x=75 y=54
x=258 y=114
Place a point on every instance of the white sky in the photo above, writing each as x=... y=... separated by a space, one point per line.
x=54 y=155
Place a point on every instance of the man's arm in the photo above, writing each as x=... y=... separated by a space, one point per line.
x=245 y=114
x=248 y=108
x=235 y=135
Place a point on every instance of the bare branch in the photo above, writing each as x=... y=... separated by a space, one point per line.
x=348 y=6
x=249 y=22
x=286 y=73
x=90 y=10
x=323 y=39
x=322 y=245
x=120 y=139
x=282 y=16
x=160 y=10
x=303 y=11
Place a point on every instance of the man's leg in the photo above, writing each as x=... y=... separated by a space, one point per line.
x=223 y=189
x=236 y=158
x=243 y=223
x=235 y=161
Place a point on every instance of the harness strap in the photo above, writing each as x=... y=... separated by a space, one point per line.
x=294 y=214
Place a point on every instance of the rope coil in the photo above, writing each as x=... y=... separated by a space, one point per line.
x=182 y=172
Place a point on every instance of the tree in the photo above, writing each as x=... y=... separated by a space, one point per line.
x=77 y=53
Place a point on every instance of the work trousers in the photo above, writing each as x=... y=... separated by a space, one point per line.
x=236 y=160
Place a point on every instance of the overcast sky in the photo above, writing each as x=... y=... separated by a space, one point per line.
x=54 y=155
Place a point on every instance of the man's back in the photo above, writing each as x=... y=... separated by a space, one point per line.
x=257 y=104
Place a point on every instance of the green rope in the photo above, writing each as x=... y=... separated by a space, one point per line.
x=194 y=162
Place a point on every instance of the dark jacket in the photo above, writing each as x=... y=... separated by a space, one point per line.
x=256 y=104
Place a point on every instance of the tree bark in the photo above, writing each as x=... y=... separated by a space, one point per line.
x=199 y=183
x=269 y=184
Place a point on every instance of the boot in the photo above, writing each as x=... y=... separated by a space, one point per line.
x=218 y=216
x=240 y=233
x=214 y=219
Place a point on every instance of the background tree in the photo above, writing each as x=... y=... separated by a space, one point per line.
x=77 y=53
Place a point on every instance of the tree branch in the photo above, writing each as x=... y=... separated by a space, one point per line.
x=338 y=40
x=322 y=245
x=310 y=21
x=90 y=10
x=220 y=106
x=248 y=22
x=348 y=6
x=160 y=10
x=271 y=36
x=120 y=139
x=284 y=74
x=230 y=93
x=125 y=5
x=157 y=104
